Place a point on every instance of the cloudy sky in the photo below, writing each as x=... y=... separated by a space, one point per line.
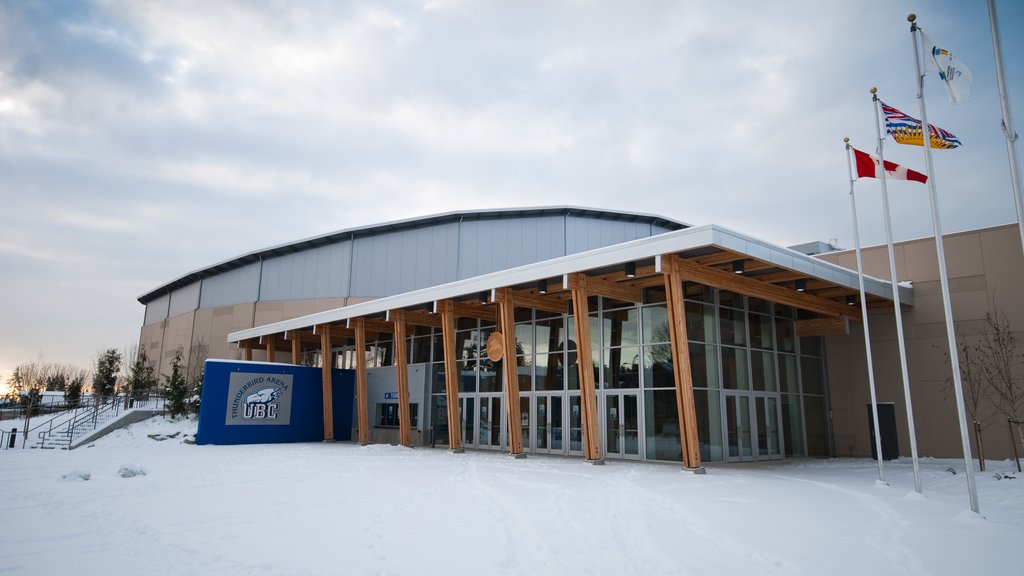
x=143 y=140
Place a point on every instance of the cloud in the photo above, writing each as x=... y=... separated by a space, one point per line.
x=142 y=140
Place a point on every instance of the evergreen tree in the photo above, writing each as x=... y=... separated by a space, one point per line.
x=73 y=391
x=177 y=389
x=141 y=375
x=197 y=394
x=107 y=366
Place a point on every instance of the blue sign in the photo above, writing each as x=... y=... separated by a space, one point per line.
x=391 y=395
x=257 y=402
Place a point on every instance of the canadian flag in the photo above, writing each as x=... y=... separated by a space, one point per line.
x=867 y=167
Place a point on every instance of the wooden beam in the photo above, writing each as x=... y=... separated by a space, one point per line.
x=327 y=381
x=784 y=276
x=451 y=374
x=361 y=394
x=297 y=350
x=375 y=325
x=478 y=311
x=246 y=346
x=402 y=376
x=833 y=291
x=832 y=326
x=682 y=371
x=608 y=289
x=752 y=287
x=338 y=331
x=270 y=340
x=584 y=361
x=507 y=326
x=418 y=318
x=552 y=304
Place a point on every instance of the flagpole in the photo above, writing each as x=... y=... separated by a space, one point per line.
x=954 y=355
x=896 y=300
x=864 y=315
x=1008 y=131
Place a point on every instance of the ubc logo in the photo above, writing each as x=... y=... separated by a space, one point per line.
x=260 y=405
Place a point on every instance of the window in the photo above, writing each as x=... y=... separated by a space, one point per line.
x=387 y=415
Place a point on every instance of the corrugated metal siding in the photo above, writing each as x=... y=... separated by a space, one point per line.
x=406 y=260
x=491 y=245
x=316 y=273
x=584 y=234
x=184 y=299
x=233 y=287
x=156 y=310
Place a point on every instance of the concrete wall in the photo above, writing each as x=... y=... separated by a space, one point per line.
x=986 y=274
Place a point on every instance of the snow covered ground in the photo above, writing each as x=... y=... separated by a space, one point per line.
x=162 y=506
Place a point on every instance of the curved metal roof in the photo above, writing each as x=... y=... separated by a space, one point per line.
x=409 y=223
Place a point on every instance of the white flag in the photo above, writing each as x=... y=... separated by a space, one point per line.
x=954 y=74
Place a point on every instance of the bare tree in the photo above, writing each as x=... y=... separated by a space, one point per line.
x=1002 y=367
x=977 y=398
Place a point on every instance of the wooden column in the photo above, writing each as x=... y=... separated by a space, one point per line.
x=271 y=345
x=507 y=325
x=361 y=400
x=327 y=380
x=584 y=359
x=402 y=376
x=296 y=339
x=681 y=370
x=451 y=374
x=246 y=350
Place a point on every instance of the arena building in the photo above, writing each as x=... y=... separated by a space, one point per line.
x=623 y=335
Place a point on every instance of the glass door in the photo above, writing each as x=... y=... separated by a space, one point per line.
x=737 y=427
x=752 y=426
x=575 y=425
x=490 y=435
x=550 y=428
x=621 y=424
x=769 y=441
x=468 y=415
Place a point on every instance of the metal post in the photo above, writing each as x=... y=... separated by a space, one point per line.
x=954 y=357
x=1008 y=131
x=896 y=302
x=864 y=315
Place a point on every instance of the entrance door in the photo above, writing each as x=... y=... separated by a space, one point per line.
x=575 y=425
x=621 y=424
x=737 y=427
x=752 y=426
x=468 y=413
x=769 y=442
x=550 y=426
x=490 y=422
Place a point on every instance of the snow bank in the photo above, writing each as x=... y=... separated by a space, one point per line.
x=344 y=509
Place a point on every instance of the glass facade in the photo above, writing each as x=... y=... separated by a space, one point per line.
x=759 y=390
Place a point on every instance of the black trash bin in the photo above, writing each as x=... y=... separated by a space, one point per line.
x=887 y=428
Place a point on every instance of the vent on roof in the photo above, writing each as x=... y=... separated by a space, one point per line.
x=816 y=247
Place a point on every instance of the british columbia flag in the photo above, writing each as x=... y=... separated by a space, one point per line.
x=907 y=130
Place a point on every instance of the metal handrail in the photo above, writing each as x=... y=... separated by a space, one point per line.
x=75 y=422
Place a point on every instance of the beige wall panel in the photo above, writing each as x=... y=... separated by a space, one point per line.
x=296 y=308
x=876 y=263
x=919 y=262
x=177 y=335
x=1004 y=271
x=968 y=284
x=322 y=304
x=964 y=255
x=269 y=312
x=970 y=305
